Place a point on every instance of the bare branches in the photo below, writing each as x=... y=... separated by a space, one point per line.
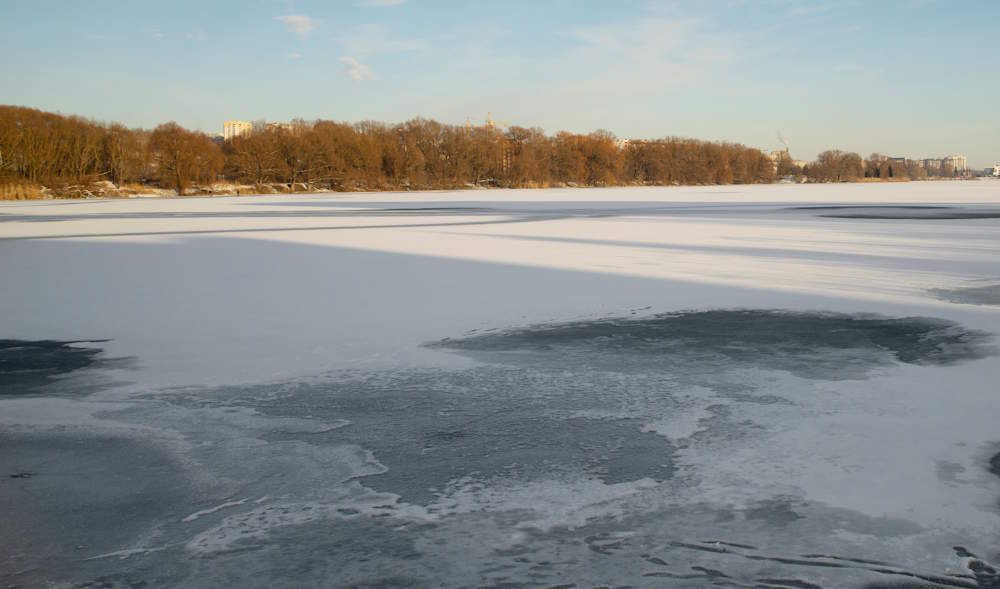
x=181 y=156
x=420 y=153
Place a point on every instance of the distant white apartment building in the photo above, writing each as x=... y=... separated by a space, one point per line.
x=777 y=156
x=231 y=129
x=957 y=162
x=995 y=171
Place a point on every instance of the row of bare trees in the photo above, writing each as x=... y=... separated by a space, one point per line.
x=55 y=150
x=685 y=161
x=51 y=149
x=426 y=154
x=42 y=147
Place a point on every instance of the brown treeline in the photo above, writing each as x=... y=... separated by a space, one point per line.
x=64 y=153
x=41 y=148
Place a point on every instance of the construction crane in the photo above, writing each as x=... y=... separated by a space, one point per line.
x=489 y=121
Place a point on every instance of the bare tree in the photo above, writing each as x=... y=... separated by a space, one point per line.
x=182 y=156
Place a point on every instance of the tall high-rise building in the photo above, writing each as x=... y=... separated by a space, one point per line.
x=231 y=129
x=957 y=162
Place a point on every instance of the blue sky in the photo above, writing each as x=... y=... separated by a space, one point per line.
x=905 y=77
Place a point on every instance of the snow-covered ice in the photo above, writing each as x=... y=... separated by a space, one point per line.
x=766 y=386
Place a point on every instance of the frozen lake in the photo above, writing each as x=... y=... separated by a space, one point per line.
x=766 y=386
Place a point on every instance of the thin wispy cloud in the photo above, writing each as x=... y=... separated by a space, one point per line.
x=648 y=53
x=356 y=70
x=294 y=55
x=300 y=24
x=382 y=2
x=373 y=39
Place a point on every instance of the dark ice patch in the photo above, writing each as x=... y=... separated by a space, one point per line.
x=431 y=428
x=972 y=295
x=777 y=512
x=791 y=583
x=422 y=462
x=27 y=366
x=818 y=345
x=870 y=207
x=906 y=212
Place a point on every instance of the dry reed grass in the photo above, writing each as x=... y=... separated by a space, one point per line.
x=20 y=191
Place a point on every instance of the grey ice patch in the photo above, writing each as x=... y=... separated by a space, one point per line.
x=356 y=552
x=972 y=295
x=924 y=213
x=777 y=511
x=78 y=496
x=818 y=345
x=431 y=427
x=948 y=471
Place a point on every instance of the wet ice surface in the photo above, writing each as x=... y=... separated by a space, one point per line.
x=360 y=408
x=573 y=452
